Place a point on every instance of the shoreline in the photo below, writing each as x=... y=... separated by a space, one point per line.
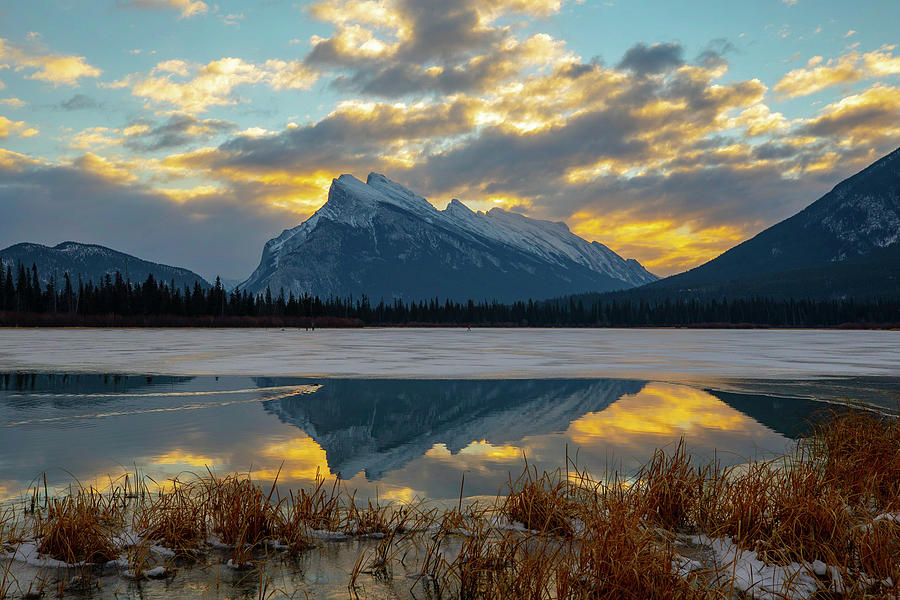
x=823 y=519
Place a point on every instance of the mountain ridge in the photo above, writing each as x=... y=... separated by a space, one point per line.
x=381 y=239
x=92 y=262
x=844 y=244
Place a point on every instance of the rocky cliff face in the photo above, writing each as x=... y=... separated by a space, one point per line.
x=380 y=239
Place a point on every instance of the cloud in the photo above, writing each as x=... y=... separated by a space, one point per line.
x=581 y=139
x=232 y=19
x=413 y=47
x=190 y=88
x=178 y=130
x=816 y=76
x=58 y=69
x=187 y=8
x=12 y=102
x=869 y=119
x=145 y=135
x=95 y=200
x=672 y=167
x=648 y=60
x=846 y=69
x=665 y=158
x=79 y=102
x=20 y=128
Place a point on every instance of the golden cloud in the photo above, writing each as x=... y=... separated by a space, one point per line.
x=212 y=84
x=13 y=161
x=859 y=120
x=110 y=170
x=816 y=77
x=20 y=128
x=478 y=455
x=758 y=119
x=186 y=8
x=846 y=69
x=880 y=62
x=58 y=69
x=93 y=137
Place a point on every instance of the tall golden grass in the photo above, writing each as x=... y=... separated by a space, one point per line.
x=562 y=535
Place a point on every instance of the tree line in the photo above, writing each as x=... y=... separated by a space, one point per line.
x=117 y=301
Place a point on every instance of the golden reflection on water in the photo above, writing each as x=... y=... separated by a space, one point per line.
x=303 y=458
x=632 y=426
x=661 y=410
x=185 y=459
x=477 y=450
x=658 y=415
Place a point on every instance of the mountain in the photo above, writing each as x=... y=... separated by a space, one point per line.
x=845 y=244
x=376 y=426
x=380 y=239
x=379 y=425
x=92 y=263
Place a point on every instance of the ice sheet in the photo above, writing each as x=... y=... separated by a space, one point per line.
x=456 y=353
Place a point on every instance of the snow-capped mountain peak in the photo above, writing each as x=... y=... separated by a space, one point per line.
x=381 y=239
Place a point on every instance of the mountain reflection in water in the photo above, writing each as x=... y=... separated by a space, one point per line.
x=390 y=438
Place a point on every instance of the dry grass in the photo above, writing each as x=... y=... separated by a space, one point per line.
x=176 y=520
x=669 y=488
x=541 y=503
x=553 y=536
x=239 y=512
x=80 y=528
x=860 y=456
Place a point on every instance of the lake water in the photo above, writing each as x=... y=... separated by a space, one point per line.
x=391 y=412
x=399 y=415
x=394 y=438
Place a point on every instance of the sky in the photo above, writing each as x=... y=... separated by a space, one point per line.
x=189 y=132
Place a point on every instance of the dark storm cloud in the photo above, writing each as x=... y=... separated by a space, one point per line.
x=576 y=70
x=178 y=130
x=845 y=122
x=211 y=235
x=401 y=79
x=775 y=151
x=714 y=54
x=511 y=162
x=657 y=58
x=79 y=102
x=441 y=33
x=346 y=137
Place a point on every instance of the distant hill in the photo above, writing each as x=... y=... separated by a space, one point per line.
x=380 y=239
x=845 y=244
x=91 y=262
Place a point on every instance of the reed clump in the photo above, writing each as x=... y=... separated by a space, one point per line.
x=541 y=503
x=176 y=520
x=308 y=510
x=859 y=453
x=668 y=487
x=79 y=528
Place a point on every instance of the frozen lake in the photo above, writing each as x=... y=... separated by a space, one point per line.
x=401 y=414
x=456 y=353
